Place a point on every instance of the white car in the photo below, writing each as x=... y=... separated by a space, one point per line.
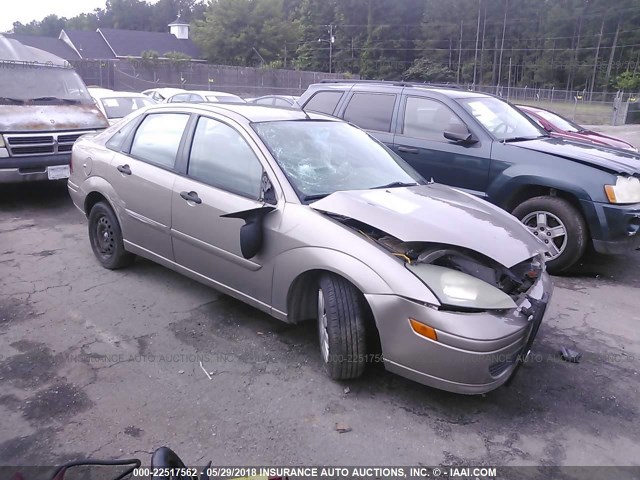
x=199 y=96
x=117 y=105
x=161 y=94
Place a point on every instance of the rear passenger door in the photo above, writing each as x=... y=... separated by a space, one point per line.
x=420 y=141
x=372 y=112
x=142 y=174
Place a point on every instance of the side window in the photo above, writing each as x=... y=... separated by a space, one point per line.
x=429 y=119
x=265 y=101
x=221 y=158
x=324 y=102
x=279 y=102
x=371 y=111
x=116 y=140
x=158 y=138
x=196 y=98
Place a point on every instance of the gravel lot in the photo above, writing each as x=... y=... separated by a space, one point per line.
x=106 y=364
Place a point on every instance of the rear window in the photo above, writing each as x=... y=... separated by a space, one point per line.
x=371 y=111
x=324 y=102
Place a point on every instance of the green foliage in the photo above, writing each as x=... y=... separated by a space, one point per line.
x=244 y=32
x=424 y=70
x=176 y=58
x=547 y=43
x=628 y=81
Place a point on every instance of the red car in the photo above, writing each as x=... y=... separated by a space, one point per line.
x=559 y=126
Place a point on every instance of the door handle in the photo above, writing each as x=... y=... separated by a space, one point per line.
x=124 y=169
x=191 y=197
x=407 y=150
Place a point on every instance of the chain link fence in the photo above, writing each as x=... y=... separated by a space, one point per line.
x=138 y=75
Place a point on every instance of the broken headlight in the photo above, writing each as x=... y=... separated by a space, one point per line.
x=457 y=289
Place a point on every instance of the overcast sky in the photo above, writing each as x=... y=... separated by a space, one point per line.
x=26 y=10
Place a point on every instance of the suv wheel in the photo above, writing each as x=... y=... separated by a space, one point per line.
x=106 y=238
x=341 y=328
x=559 y=225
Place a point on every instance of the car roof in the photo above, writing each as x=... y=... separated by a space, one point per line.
x=106 y=93
x=12 y=50
x=530 y=108
x=249 y=112
x=204 y=93
x=373 y=85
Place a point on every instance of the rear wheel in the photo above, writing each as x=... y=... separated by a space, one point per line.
x=341 y=327
x=106 y=238
x=559 y=225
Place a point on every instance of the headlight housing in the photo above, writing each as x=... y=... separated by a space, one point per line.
x=457 y=289
x=626 y=190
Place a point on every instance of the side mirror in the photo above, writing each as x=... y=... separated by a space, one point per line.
x=460 y=137
x=251 y=236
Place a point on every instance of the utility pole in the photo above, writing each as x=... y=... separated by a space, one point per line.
x=331 y=41
x=330 y=47
x=285 y=56
x=595 y=62
x=459 y=54
x=611 y=55
x=475 y=58
x=504 y=27
x=484 y=28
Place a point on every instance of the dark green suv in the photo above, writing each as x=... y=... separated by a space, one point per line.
x=567 y=193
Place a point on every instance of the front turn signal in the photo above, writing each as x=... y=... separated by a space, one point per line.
x=423 y=330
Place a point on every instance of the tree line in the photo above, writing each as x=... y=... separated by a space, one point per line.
x=566 y=44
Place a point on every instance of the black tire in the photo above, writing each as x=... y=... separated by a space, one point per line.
x=577 y=236
x=105 y=236
x=345 y=328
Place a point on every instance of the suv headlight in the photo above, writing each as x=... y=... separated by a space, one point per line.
x=626 y=190
x=457 y=289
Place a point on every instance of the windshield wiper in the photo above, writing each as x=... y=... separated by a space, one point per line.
x=396 y=184
x=17 y=101
x=52 y=99
x=522 y=139
x=317 y=196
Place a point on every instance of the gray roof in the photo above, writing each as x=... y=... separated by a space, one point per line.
x=131 y=43
x=12 y=50
x=49 y=44
x=91 y=45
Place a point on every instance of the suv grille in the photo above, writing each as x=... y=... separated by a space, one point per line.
x=23 y=144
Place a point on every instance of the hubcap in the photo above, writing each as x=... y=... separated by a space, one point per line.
x=322 y=327
x=105 y=241
x=549 y=229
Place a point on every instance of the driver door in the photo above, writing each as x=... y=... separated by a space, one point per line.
x=224 y=176
x=420 y=141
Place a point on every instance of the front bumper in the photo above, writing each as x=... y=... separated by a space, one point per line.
x=30 y=169
x=614 y=228
x=475 y=352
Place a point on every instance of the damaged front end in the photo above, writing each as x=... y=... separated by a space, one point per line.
x=462 y=279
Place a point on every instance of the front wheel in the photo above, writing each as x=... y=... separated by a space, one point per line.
x=559 y=225
x=341 y=327
x=106 y=238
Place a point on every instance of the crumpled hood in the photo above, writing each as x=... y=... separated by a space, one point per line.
x=439 y=214
x=29 y=118
x=614 y=160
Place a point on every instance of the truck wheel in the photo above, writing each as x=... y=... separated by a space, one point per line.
x=106 y=238
x=559 y=225
x=341 y=327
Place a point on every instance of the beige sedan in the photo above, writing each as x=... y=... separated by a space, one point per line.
x=306 y=217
